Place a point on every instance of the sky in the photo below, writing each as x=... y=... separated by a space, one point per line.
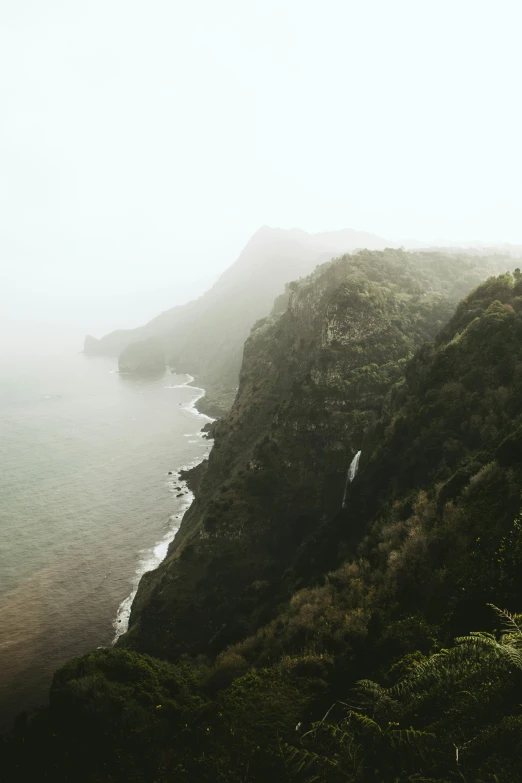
x=143 y=142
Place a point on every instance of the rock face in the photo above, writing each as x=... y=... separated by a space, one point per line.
x=193 y=476
x=208 y=431
x=315 y=377
x=142 y=358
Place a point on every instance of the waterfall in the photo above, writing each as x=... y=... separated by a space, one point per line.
x=352 y=471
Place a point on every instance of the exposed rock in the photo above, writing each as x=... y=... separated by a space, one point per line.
x=208 y=430
x=193 y=476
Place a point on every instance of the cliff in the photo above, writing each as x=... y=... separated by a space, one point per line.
x=278 y=602
x=315 y=378
x=205 y=337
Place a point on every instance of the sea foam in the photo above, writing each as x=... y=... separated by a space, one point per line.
x=151 y=558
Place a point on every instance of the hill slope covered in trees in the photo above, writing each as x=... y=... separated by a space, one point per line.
x=294 y=637
x=315 y=376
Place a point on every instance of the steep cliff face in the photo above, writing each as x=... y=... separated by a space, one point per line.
x=431 y=533
x=315 y=378
x=205 y=337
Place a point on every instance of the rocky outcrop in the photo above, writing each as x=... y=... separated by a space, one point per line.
x=208 y=431
x=193 y=476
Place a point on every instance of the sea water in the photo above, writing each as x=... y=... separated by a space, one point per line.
x=87 y=504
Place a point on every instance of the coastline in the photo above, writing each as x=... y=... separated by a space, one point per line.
x=216 y=402
x=152 y=557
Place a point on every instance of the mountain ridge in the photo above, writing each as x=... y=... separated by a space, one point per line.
x=205 y=337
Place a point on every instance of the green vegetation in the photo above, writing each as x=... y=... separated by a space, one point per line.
x=286 y=638
x=315 y=380
x=454 y=715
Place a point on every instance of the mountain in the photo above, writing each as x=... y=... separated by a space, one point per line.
x=205 y=337
x=313 y=380
x=301 y=627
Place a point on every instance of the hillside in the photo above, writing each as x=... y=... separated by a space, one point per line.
x=205 y=337
x=313 y=381
x=142 y=357
x=278 y=601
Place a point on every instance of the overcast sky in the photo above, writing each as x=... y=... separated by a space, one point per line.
x=142 y=142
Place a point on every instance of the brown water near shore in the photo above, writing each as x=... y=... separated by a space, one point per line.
x=86 y=504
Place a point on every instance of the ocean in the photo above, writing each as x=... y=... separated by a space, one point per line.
x=87 y=504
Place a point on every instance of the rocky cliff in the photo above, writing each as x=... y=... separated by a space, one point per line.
x=205 y=337
x=315 y=378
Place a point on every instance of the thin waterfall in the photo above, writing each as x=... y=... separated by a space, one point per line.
x=352 y=471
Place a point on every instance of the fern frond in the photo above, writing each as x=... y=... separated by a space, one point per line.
x=370 y=688
x=428 y=673
x=410 y=736
x=513 y=655
x=508 y=620
x=305 y=759
x=374 y=696
x=487 y=637
x=504 y=651
x=364 y=722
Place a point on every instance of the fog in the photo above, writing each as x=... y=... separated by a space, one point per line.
x=141 y=144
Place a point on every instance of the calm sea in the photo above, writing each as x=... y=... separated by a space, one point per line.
x=86 y=505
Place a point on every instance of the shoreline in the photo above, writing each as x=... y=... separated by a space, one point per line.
x=152 y=557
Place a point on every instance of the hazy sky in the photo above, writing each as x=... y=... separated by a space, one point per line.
x=143 y=142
